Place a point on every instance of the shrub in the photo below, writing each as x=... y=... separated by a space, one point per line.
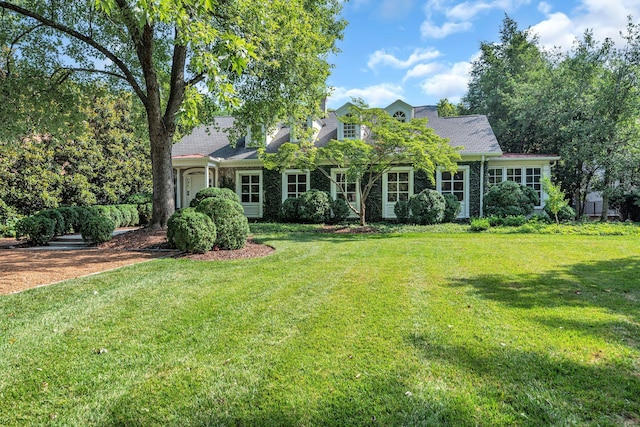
x=127 y=215
x=115 y=215
x=507 y=221
x=565 y=214
x=191 y=231
x=340 y=210
x=71 y=218
x=451 y=207
x=83 y=215
x=290 y=210
x=145 y=211
x=97 y=229
x=59 y=226
x=314 y=207
x=8 y=218
x=208 y=192
x=401 y=209
x=479 y=224
x=509 y=199
x=231 y=225
x=426 y=207
x=140 y=198
x=35 y=229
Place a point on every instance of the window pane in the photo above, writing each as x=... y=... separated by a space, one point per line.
x=393 y=187
x=392 y=197
x=245 y=179
x=458 y=186
x=403 y=197
x=446 y=176
x=291 y=188
x=392 y=177
x=302 y=178
x=404 y=176
x=255 y=198
x=255 y=188
x=446 y=186
x=404 y=187
x=255 y=179
x=245 y=198
x=291 y=178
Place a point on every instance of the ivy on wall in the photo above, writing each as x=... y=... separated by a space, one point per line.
x=474 y=188
x=272 y=197
x=319 y=181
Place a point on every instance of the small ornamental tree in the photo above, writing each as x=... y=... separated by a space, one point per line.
x=509 y=199
x=385 y=143
x=556 y=201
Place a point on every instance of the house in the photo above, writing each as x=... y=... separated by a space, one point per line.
x=206 y=158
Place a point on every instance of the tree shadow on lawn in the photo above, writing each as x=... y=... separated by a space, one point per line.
x=538 y=389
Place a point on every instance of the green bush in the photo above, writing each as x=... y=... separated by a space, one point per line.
x=191 y=231
x=565 y=214
x=314 y=207
x=145 y=211
x=9 y=216
x=340 y=210
x=97 y=229
x=35 y=229
x=140 y=198
x=115 y=215
x=401 y=209
x=509 y=199
x=127 y=215
x=479 y=224
x=507 y=221
x=208 y=192
x=451 y=207
x=426 y=207
x=231 y=225
x=290 y=210
x=83 y=215
x=70 y=215
x=59 y=226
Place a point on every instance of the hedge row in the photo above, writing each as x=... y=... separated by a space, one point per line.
x=314 y=207
x=95 y=223
x=427 y=207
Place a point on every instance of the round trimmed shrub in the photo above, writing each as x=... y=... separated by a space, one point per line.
x=565 y=214
x=426 y=207
x=97 y=229
x=509 y=199
x=60 y=228
x=139 y=198
x=314 y=207
x=191 y=231
x=401 y=210
x=451 y=207
x=70 y=215
x=115 y=215
x=290 y=210
x=35 y=229
x=83 y=216
x=205 y=193
x=340 y=210
x=231 y=224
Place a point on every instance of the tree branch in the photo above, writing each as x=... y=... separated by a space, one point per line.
x=129 y=77
x=15 y=41
x=90 y=70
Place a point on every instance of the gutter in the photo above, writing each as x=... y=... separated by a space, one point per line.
x=482 y=187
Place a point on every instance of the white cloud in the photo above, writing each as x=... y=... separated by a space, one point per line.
x=605 y=17
x=452 y=84
x=384 y=58
x=376 y=96
x=459 y=17
x=422 y=70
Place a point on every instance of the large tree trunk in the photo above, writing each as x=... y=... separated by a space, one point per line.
x=162 y=170
x=363 y=213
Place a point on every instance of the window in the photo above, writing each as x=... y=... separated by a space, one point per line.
x=397 y=187
x=532 y=179
x=250 y=189
x=453 y=184
x=495 y=176
x=349 y=131
x=400 y=116
x=294 y=183
x=346 y=187
x=514 y=174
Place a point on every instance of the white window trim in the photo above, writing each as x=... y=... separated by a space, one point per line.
x=334 y=190
x=388 y=212
x=241 y=173
x=466 y=212
x=288 y=172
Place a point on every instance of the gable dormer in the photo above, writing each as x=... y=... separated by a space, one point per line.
x=259 y=136
x=347 y=130
x=400 y=110
x=311 y=124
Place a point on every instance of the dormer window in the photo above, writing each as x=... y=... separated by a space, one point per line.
x=400 y=116
x=349 y=131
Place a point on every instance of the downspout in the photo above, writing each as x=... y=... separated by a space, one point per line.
x=482 y=187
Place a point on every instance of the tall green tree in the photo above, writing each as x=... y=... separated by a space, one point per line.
x=385 y=142
x=267 y=58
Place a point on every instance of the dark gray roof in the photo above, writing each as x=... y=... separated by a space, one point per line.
x=473 y=133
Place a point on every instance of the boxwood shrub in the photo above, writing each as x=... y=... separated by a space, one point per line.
x=509 y=199
x=36 y=229
x=314 y=206
x=426 y=207
x=451 y=207
x=340 y=210
x=71 y=218
x=191 y=231
x=208 y=192
x=59 y=226
x=565 y=214
x=97 y=229
x=290 y=210
x=231 y=225
x=401 y=209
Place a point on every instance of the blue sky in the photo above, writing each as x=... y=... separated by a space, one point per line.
x=421 y=50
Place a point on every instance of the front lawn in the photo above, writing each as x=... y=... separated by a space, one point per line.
x=332 y=329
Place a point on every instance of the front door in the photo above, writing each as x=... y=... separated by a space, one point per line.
x=193 y=182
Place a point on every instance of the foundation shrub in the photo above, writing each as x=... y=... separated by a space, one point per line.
x=36 y=229
x=208 y=192
x=426 y=207
x=232 y=226
x=314 y=207
x=191 y=231
x=97 y=229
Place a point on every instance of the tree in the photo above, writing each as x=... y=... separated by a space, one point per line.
x=446 y=108
x=556 y=200
x=267 y=58
x=385 y=143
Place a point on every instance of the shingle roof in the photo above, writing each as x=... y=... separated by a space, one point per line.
x=473 y=133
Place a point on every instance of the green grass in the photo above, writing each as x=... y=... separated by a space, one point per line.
x=389 y=329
